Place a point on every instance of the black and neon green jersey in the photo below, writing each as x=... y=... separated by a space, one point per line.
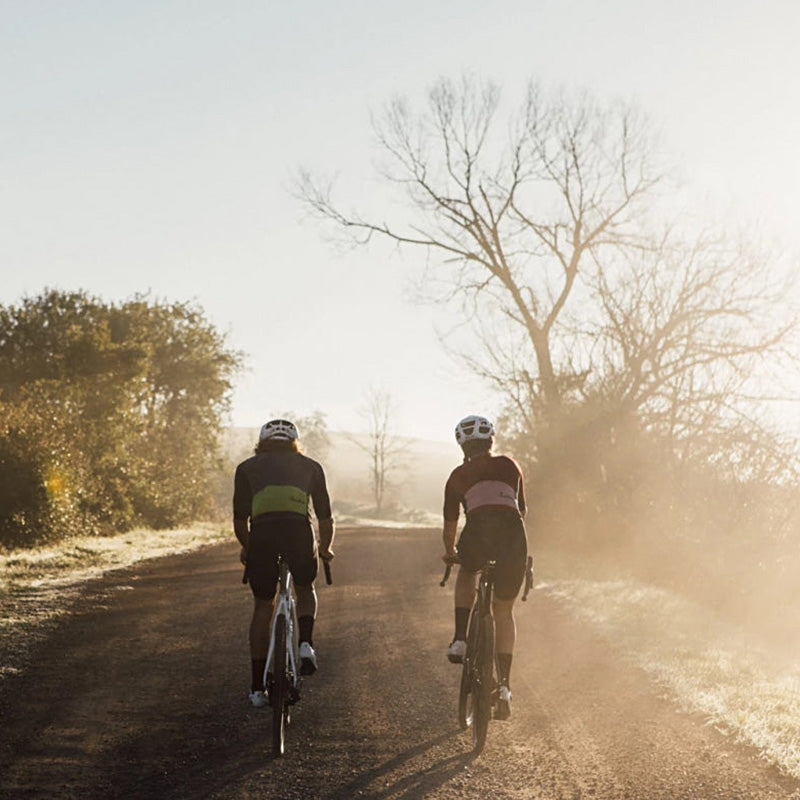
x=280 y=482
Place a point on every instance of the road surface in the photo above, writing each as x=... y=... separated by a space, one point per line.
x=142 y=693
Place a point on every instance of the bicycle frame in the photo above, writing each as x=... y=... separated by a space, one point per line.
x=283 y=648
x=479 y=663
x=285 y=607
x=282 y=669
x=282 y=659
x=477 y=689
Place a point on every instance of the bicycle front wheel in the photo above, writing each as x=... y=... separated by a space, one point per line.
x=280 y=687
x=483 y=682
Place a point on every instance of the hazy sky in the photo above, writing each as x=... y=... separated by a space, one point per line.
x=149 y=146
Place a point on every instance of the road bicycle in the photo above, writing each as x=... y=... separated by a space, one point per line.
x=478 y=689
x=282 y=677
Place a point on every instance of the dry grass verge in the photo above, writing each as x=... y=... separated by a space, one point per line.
x=38 y=585
x=708 y=666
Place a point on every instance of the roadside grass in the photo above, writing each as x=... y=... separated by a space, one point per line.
x=703 y=663
x=85 y=557
x=38 y=585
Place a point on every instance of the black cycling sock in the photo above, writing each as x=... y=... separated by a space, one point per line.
x=504 y=668
x=305 y=627
x=462 y=618
x=257 y=679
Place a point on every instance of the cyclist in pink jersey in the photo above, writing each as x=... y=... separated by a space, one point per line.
x=491 y=491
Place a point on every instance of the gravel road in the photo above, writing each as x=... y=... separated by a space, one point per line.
x=141 y=692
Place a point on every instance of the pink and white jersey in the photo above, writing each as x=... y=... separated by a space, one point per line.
x=484 y=482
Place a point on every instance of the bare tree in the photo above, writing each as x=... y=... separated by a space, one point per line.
x=683 y=337
x=385 y=449
x=515 y=217
x=679 y=343
x=544 y=228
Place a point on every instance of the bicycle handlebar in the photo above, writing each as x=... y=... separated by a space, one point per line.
x=528 y=575
x=446 y=575
x=448 y=568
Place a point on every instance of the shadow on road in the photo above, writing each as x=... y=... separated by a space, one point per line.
x=380 y=782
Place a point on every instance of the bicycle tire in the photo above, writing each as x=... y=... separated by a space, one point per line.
x=280 y=686
x=484 y=682
x=466 y=706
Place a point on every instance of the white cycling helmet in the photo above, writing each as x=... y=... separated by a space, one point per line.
x=472 y=428
x=279 y=430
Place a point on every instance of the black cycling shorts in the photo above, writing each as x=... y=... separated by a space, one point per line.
x=499 y=536
x=291 y=536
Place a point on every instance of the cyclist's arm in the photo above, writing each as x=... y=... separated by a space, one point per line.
x=451 y=511
x=326 y=536
x=519 y=483
x=242 y=501
x=242 y=531
x=322 y=510
x=449 y=537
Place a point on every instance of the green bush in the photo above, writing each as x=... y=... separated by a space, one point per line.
x=110 y=415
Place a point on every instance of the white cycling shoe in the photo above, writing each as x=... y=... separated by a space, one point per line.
x=456 y=651
x=308 y=659
x=259 y=699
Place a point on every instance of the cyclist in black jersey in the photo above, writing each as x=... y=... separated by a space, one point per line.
x=491 y=491
x=272 y=492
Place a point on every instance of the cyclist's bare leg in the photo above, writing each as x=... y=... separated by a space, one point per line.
x=504 y=625
x=306 y=600
x=464 y=598
x=260 y=627
x=466 y=583
x=505 y=636
x=306 y=597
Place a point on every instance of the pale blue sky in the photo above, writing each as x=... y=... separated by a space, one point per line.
x=149 y=146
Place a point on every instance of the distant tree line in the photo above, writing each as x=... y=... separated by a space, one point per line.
x=110 y=415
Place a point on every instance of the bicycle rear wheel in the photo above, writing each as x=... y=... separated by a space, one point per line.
x=280 y=687
x=483 y=682
x=466 y=706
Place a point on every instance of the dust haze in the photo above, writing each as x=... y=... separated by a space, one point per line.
x=688 y=572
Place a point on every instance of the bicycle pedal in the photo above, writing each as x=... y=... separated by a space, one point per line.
x=294 y=695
